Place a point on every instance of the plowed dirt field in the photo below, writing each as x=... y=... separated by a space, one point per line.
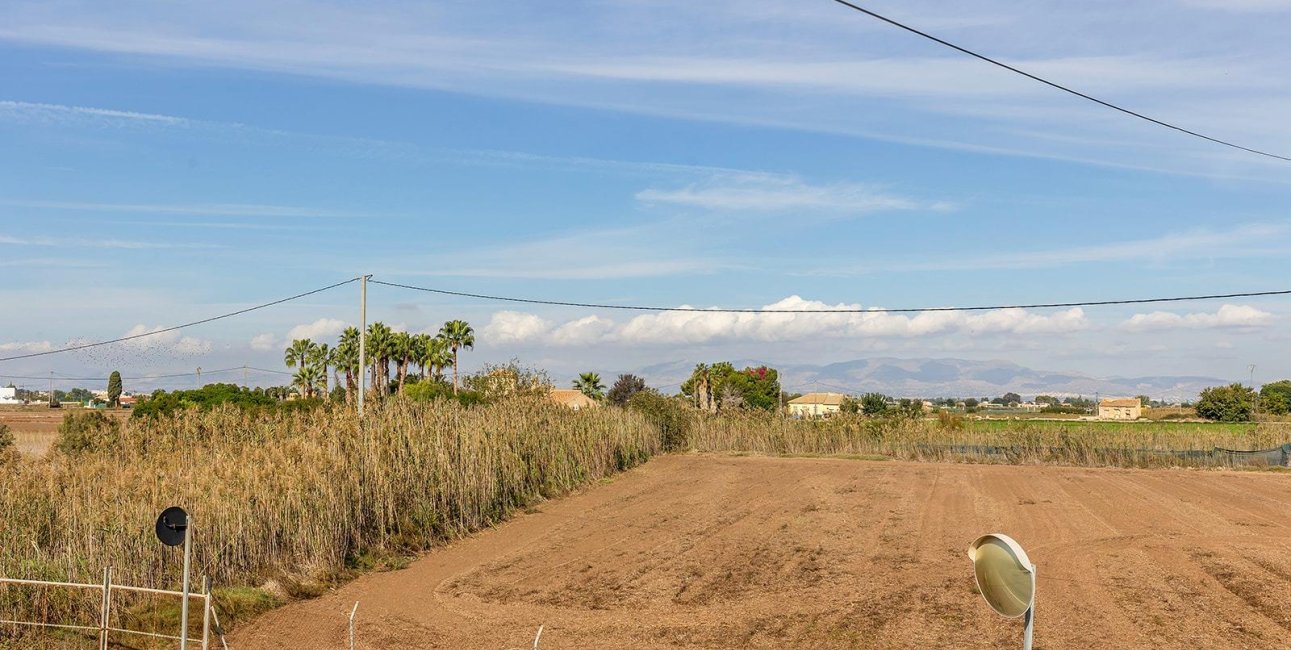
x=736 y=552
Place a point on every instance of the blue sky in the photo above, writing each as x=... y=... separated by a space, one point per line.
x=161 y=163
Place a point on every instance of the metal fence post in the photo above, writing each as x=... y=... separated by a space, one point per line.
x=105 y=608
x=206 y=613
x=352 y=613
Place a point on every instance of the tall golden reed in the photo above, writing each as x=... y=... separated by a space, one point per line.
x=299 y=494
x=1133 y=444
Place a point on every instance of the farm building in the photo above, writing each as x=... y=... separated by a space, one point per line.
x=9 y=395
x=574 y=399
x=1120 y=408
x=816 y=405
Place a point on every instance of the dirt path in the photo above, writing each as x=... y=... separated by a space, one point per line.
x=722 y=552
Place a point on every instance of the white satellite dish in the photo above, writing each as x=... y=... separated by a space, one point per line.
x=1006 y=578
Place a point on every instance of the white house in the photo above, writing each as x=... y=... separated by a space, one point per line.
x=9 y=395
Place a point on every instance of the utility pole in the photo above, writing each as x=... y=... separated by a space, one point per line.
x=780 y=393
x=363 y=339
x=51 y=389
x=1251 y=369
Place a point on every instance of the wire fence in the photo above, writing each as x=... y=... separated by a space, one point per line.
x=102 y=611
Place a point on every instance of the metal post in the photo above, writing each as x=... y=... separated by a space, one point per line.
x=219 y=629
x=183 y=606
x=363 y=339
x=352 y=612
x=1030 y=616
x=105 y=608
x=206 y=613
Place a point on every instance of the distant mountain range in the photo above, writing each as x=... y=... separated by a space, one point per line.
x=947 y=378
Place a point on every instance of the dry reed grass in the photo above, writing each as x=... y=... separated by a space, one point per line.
x=296 y=499
x=1138 y=444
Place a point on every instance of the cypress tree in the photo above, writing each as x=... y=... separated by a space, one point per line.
x=114 y=389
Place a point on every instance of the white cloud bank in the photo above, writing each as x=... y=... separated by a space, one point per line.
x=264 y=342
x=26 y=347
x=319 y=330
x=172 y=341
x=1227 y=316
x=509 y=327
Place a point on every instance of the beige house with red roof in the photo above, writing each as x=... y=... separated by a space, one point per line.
x=816 y=405
x=574 y=399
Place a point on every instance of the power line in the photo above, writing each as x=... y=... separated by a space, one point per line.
x=177 y=327
x=905 y=310
x=62 y=377
x=1052 y=84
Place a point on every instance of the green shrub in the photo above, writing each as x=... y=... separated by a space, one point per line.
x=874 y=404
x=672 y=416
x=6 y=438
x=85 y=432
x=430 y=390
x=1232 y=403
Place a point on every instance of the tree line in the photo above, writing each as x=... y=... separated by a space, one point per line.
x=423 y=355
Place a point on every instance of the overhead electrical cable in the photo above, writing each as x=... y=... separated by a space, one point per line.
x=866 y=310
x=1059 y=86
x=239 y=312
x=61 y=377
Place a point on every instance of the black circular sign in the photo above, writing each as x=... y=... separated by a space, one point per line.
x=172 y=525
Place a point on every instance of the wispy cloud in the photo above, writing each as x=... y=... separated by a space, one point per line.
x=1244 y=241
x=50 y=262
x=652 y=250
x=197 y=209
x=777 y=192
x=99 y=243
x=1243 y=5
x=34 y=111
x=691 y=60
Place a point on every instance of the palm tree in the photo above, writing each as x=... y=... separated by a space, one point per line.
x=458 y=334
x=402 y=352
x=297 y=354
x=320 y=356
x=379 y=339
x=436 y=356
x=418 y=352
x=305 y=379
x=347 y=358
x=301 y=381
x=589 y=383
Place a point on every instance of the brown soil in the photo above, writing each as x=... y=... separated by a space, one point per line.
x=36 y=428
x=726 y=552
